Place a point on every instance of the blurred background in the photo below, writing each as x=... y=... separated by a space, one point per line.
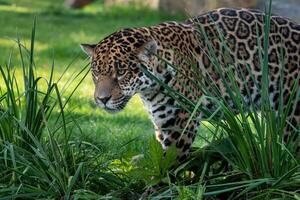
x=289 y=8
x=63 y=24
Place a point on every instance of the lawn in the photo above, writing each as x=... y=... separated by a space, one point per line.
x=59 y=33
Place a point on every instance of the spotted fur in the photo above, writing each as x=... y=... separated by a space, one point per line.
x=116 y=66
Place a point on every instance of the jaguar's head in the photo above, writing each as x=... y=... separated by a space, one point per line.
x=116 y=67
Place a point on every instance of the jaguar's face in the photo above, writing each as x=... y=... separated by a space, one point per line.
x=116 y=69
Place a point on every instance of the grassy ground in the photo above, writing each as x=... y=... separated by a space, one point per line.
x=59 y=33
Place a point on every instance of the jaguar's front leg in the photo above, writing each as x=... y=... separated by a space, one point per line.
x=177 y=131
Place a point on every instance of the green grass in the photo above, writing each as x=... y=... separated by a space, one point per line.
x=59 y=33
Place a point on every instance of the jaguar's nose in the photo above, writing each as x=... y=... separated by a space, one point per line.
x=104 y=100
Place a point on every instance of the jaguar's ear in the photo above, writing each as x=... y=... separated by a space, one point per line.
x=88 y=49
x=147 y=50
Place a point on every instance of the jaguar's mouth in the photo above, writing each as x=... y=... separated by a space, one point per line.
x=115 y=106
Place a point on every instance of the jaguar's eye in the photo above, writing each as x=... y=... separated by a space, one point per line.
x=117 y=64
x=93 y=64
x=120 y=69
x=121 y=72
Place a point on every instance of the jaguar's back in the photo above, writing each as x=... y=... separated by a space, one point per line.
x=243 y=32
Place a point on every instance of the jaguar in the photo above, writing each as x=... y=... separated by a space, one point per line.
x=118 y=64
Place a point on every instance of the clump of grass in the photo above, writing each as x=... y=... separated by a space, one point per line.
x=37 y=157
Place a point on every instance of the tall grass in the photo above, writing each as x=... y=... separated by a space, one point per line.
x=247 y=157
x=38 y=159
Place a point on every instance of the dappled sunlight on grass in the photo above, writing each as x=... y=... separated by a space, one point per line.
x=11 y=42
x=92 y=9
x=14 y=8
x=61 y=30
x=81 y=35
